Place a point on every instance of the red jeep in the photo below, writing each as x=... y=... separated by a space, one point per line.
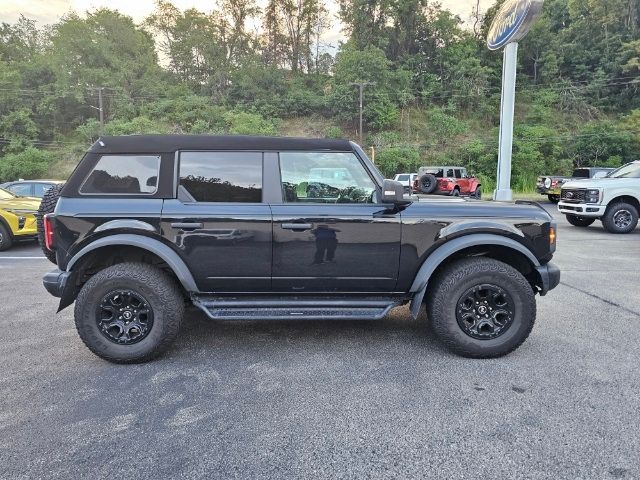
x=452 y=181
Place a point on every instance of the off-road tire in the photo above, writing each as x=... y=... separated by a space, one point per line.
x=455 y=192
x=554 y=198
x=448 y=287
x=609 y=218
x=160 y=291
x=5 y=238
x=428 y=183
x=578 y=221
x=47 y=205
x=478 y=193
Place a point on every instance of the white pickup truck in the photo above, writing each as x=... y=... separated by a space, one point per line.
x=614 y=199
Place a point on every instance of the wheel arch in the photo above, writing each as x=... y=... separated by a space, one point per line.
x=153 y=246
x=630 y=199
x=494 y=246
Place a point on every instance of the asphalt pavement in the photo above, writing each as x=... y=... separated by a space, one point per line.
x=307 y=400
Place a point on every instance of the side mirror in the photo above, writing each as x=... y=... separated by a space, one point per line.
x=392 y=192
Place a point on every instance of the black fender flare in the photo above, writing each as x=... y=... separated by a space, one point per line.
x=152 y=245
x=439 y=255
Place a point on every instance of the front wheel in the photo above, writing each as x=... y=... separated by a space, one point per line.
x=478 y=194
x=5 y=238
x=554 y=198
x=578 y=221
x=620 y=218
x=129 y=312
x=481 y=307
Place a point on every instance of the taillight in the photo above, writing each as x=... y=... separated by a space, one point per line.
x=48 y=232
x=554 y=183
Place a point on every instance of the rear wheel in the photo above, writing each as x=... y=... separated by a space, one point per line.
x=578 y=221
x=620 y=218
x=47 y=205
x=129 y=313
x=554 y=198
x=5 y=238
x=428 y=183
x=481 y=307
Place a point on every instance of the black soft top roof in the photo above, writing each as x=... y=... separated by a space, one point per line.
x=172 y=143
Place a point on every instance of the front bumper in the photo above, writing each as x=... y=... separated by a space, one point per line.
x=549 y=277
x=582 y=209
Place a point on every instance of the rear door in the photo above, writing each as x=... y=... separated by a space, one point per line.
x=329 y=231
x=219 y=223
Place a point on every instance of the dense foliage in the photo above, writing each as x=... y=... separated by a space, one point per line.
x=433 y=93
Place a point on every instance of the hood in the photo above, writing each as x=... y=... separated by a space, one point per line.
x=457 y=207
x=603 y=183
x=21 y=203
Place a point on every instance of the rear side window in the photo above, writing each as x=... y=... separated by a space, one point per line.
x=124 y=175
x=222 y=176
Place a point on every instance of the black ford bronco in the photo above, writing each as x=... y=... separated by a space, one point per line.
x=250 y=228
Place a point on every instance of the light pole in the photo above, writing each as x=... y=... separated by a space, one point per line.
x=361 y=86
x=510 y=25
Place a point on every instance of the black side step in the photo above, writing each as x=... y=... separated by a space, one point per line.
x=298 y=307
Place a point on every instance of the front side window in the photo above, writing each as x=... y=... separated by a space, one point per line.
x=222 y=176
x=331 y=177
x=124 y=175
x=631 y=170
x=40 y=188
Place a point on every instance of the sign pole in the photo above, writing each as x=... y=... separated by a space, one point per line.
x=503 y=191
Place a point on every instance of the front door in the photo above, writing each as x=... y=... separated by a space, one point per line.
x=329 y=232
x=219 y=224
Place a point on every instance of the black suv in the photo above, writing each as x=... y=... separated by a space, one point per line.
x=251 y=228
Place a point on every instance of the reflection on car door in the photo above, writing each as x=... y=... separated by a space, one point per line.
x=219 y=224
x=331 y=235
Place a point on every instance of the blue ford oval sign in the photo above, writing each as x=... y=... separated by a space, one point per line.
x=512 y=22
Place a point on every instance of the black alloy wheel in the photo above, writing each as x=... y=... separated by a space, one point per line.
x=124 y=317
x=485 y=311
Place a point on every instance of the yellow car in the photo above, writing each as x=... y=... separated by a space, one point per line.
x=17 y=218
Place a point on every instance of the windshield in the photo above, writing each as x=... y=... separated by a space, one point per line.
x=6 y=195
x=632 y=170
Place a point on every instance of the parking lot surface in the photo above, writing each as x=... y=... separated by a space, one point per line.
x=332 y=399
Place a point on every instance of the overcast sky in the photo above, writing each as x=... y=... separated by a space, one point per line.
x=49 y=11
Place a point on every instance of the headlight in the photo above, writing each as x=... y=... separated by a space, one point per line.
x=592 y=196
x=547 y=183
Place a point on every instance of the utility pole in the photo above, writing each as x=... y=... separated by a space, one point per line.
x=100 y=109
x=361 y=86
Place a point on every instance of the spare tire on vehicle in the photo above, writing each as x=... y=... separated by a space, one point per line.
x=47 y=205
x=428 y=183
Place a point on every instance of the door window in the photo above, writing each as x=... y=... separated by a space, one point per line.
x=222 y=176
x=458 y=173
x=332 y=177
x=449 y=173
x=21 y=189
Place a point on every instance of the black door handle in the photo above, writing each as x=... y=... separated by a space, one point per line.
x=299 y=227
x=187 y=225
